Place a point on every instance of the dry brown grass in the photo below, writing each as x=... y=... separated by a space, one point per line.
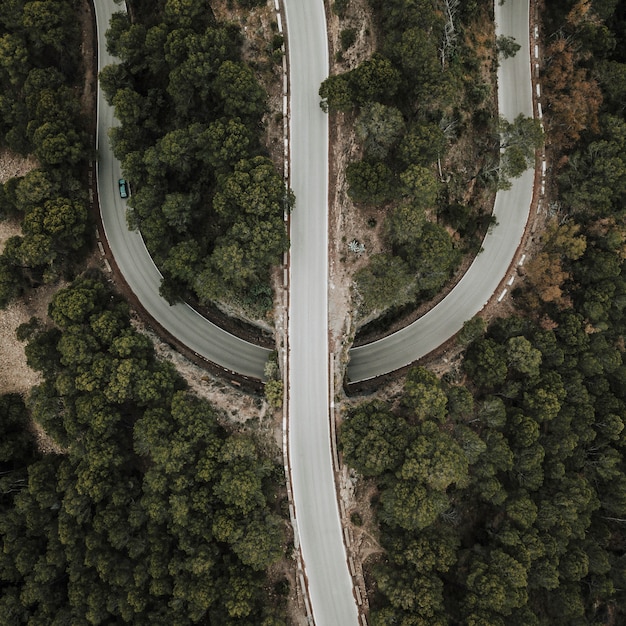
x=15 y=375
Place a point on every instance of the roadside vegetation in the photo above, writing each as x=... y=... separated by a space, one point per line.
x=153 y=513
x=424 y=110
x=206 y=197
x=40 y=85
x=501 y=488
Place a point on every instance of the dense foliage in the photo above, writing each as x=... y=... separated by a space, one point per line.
x=40 y=79
x=151 y=513
x=424 y=113
x=205 y=197
x=503 y=500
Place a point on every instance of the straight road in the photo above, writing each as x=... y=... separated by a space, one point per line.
x=511 y=210
x=133 y=260
x=319 y=524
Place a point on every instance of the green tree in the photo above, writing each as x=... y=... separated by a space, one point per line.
x=497 y=585
x=384 y=282
x=379 y=127
x=50 y=24
x=422 y=144
x=420 y=183
x=434 y=459
x=433 y=257
x=274 y=393
x=370 y=182
x=241 y=94
x=11 y=281
x=411 y=506
x=14 y=60
x=178 y=209
x=507 y=46
x=419 y=58
x=518 y=142
x=472 y=330
x=485 y=362
x=374 y=79
x=522 y=357
x=604 y=182
x=423 y=395
x=335 y=94
x=57 y=144
x=406 y=223
x=373 y=439
x=225 y=142
x=34 y=189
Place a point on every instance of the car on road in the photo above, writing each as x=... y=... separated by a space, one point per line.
x=123 y=188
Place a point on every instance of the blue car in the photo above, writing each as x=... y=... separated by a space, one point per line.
x=123 y=188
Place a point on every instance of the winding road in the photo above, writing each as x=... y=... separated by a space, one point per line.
x=132 y=258
x=319 y=525
x=511 y=211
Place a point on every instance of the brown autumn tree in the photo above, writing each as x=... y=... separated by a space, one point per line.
x=572 y=97
x=545 y=274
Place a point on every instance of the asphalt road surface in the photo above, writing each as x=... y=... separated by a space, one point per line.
x=511 y=210
x=133 y=260
x=320 y=531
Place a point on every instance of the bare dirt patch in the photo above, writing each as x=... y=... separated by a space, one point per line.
x=44 y=443
x=236 y=407
x=346 y=221
x=15 y=375
x=13 y=164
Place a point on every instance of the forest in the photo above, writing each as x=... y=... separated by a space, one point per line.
x=41 y=76
x=207 y=199
x=501 y=487
x=142 y=507
x=149 y=511
x=424 y=112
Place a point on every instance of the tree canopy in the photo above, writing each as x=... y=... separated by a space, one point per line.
x=151 y=509
x=40 y=114
x=419 y=94
x=207 y=200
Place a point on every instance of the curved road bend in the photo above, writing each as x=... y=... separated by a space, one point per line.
x=319 y=524
x=511 y=209
x=133 y=260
